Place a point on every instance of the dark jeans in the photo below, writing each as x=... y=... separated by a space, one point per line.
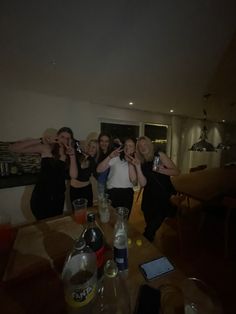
x=121 y=197
x=84 y=192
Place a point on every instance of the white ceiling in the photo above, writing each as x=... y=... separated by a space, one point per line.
x=158 y=54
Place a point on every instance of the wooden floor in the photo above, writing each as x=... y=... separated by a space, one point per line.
x=202 y=252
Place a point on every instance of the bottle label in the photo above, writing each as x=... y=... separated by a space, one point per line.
x=121 y=258
x=100 y=256
x=81 y=295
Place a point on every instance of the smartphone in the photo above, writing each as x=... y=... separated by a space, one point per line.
x=156 y=268
x=148 y=300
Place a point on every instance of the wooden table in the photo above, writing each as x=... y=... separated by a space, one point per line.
x=31 y=280
x=208 y=184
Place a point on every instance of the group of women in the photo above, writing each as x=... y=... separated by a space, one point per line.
x=118 y=168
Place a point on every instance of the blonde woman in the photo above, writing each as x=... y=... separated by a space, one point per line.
x=80 y=185
x=155 y=178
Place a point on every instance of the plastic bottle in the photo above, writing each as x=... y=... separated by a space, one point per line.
x=113 y=296
x=120 y=243
x=79 y=276
x=94 y=238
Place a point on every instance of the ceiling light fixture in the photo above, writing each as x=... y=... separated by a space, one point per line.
x=131 y=103
x=203 y=145
x=171 y=110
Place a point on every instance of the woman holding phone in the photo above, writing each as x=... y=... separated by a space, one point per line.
x=153 y=171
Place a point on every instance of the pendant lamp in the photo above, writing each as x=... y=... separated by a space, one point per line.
x=203 y=145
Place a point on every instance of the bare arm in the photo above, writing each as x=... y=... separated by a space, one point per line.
x=167 y=166
x=24 y=146
x=70 y=151
x=104 y=165
x=31 y=146
x=139 y=174
x=132 y=174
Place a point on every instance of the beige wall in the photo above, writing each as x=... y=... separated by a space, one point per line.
x=27 y=114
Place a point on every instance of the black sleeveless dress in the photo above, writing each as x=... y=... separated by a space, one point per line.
x=48 y=196
x=155 y=201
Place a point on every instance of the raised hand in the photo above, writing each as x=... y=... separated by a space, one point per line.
x=116 y=152
x=133 y=160
x=70 y=150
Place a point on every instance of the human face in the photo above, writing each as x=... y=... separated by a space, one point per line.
x=64 y=138
x=143 y=147
x=129 y=147
x=104 y=143
x=92 y=149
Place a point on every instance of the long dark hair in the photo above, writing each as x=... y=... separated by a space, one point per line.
x=55 y=150
x=67 y=130
x=101 y=155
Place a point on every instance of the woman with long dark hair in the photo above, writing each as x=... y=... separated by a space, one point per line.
x=48 y=196
x=104 y=149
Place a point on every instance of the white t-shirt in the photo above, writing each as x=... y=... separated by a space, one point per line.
x=119 y=174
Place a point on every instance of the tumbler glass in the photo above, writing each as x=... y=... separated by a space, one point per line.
x=80 y=210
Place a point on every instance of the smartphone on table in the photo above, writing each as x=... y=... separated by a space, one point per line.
x=156 y=267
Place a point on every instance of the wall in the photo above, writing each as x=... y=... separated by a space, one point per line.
x=27 y=114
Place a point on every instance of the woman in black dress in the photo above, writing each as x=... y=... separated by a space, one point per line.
x=158 y=188
x=48 y=196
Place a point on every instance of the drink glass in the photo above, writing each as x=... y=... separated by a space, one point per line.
x=199 y=298
x=80 y=210
x=6 y=232
x=104 y=209
x=123 y=212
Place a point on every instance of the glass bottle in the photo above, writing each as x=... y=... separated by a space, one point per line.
x=156 y=163
x=113 y=296
x=79 y=277
x=94 y=238
x=120 y=242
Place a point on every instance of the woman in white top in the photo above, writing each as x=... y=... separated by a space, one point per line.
x=122 y=175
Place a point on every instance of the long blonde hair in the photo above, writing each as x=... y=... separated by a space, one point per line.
x=150 y=154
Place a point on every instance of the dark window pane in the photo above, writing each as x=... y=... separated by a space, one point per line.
x=158 y=135
x=120 y=130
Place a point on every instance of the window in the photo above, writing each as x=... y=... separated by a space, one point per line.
x=158 y=134
x=120 y=130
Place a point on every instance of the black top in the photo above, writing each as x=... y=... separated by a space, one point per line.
x=158 y=185
x=51 y=178
x=85 y=173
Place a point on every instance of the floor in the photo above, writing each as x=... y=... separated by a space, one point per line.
x=201 y=254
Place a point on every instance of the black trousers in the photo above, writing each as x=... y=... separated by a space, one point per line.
x=155 y=211
x=84 y=192
x=121 y=197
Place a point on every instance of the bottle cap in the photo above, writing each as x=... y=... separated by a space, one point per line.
x=80 y=244
x=91 y=217
x=139 y=242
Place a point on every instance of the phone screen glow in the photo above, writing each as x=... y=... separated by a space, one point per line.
x=157 y=267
